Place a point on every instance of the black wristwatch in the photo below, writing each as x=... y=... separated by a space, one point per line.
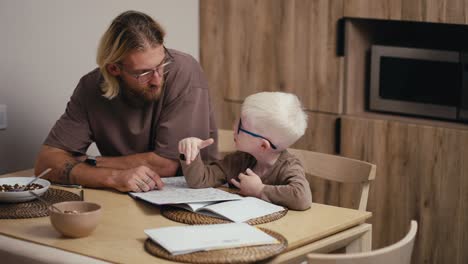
x=91 y=160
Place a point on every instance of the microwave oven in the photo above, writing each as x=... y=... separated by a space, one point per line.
x=419 y=82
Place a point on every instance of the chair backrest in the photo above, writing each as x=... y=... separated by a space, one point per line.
x=338 y=168
x=399 y=252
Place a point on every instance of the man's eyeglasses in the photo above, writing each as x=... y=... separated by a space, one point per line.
x=239 y=129
x=146 y=76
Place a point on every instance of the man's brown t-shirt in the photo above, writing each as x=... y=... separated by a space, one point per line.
x=118 y=128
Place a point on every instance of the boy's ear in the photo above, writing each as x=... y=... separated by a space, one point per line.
x=265 y=145
x=113 y=69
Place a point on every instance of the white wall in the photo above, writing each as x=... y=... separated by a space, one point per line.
x=47 y=45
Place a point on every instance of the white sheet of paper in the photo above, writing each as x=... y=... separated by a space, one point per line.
x=208 y=237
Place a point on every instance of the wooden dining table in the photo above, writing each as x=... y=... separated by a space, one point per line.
x=119 y=238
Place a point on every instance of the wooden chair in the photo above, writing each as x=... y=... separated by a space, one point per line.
x=343 y=170
x=399 y=252
x=338 y=168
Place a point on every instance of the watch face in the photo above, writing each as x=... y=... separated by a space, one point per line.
x=91 y=161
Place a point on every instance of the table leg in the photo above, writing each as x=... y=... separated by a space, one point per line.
x=361 y=244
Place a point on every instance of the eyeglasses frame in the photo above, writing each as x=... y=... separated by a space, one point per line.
x=239 y=129
x=155 y=69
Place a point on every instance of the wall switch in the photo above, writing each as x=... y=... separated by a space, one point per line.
x=3 y=117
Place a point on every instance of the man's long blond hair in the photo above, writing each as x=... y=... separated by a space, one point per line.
x=129 y=31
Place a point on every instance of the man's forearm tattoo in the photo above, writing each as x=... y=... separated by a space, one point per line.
x=66 y=178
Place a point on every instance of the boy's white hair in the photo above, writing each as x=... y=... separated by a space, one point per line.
x=277 y=116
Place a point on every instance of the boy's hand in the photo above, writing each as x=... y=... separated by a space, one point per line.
x=191 y=146
x=249 y=184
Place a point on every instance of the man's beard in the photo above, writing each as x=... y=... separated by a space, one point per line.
x=148 y=94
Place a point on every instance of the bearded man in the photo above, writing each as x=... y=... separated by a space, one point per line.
x=136 y=107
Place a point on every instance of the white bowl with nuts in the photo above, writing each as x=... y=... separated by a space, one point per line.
x=11 y=189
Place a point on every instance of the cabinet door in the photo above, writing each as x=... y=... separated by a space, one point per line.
x=273 y=45
x=422 y=174
x=447 y=11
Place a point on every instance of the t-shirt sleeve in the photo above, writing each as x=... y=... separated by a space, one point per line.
x=186 y=112
x=292 y=191
x=216 y=173
x=71 y=132
x=199 y=175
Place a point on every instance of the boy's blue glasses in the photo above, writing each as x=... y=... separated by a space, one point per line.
x=239 y=129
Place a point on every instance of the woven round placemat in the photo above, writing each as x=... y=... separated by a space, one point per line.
x=229 y=255
x=183 y=216
x=36 y=208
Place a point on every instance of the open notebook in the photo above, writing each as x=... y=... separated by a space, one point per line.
x=176 y=191
x=208 y=237
x=237 y=211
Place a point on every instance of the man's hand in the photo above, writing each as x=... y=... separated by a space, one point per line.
x=140 y=179
x=249 y=184
x=191 y=146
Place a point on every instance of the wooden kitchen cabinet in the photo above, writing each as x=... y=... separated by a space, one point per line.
x=273 y=45
x=438 y=11
x=291 y=45
x=422 y=174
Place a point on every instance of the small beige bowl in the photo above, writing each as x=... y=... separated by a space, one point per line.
x=78 y=218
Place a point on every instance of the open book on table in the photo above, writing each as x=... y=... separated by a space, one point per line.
x=237 y=211
x=208 y=237
x=176 y=191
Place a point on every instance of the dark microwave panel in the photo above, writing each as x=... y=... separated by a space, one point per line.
x=415 y=81
x=420 y=81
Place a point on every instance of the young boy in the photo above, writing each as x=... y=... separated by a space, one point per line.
x=269 y=123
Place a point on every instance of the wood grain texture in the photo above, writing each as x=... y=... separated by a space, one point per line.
x=273 y=45
x=211 y=25
x=439 y=11
x=384 y=9
x=338 y=169
x=320 y=133
x=261 y=45
x=421 y=175
x=320 y=137
x=357 y=44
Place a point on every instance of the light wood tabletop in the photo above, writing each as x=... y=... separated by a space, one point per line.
x=120 y=237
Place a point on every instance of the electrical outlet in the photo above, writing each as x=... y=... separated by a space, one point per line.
x=3 y=117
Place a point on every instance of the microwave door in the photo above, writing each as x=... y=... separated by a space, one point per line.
x=463 y=110
x=463 y=114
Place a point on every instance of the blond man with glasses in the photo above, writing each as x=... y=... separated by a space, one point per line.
x=136 y=107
